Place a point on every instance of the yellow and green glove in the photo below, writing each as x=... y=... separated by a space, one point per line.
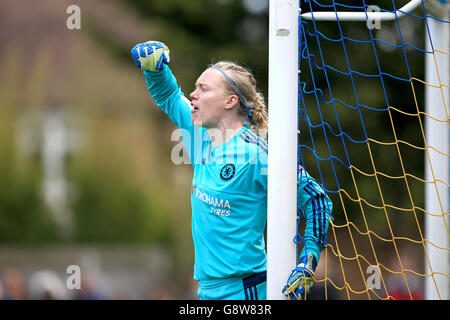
x=301 y=280
x=151 y=55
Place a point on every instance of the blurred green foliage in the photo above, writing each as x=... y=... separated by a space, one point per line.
x=200 y=32
x=110 y=200
x=23 y=219
x=111 y=207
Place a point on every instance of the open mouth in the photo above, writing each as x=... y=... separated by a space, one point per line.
x=194 y=107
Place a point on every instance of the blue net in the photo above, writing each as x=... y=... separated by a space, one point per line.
x=361 y=136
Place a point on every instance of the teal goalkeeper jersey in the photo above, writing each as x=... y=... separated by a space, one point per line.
x=229 y=192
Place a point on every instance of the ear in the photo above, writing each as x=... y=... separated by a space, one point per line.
x=231 y=101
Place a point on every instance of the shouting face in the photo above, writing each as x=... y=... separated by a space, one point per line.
x=210 y=100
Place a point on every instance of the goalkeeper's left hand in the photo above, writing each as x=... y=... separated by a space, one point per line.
x=301 y=279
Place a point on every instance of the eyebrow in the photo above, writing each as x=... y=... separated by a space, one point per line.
x=200 y=84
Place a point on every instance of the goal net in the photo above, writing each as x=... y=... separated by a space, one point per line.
x=373 y=130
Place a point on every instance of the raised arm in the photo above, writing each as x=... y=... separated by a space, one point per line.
x=152 y=58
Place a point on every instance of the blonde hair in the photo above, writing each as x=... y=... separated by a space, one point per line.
x=244 y=80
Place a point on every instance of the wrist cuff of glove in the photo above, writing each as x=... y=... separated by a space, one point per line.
x=309 y=261
x=150 y=75
x=311 y=247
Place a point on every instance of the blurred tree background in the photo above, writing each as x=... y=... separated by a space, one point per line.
x=122 y=186
x=85 y=154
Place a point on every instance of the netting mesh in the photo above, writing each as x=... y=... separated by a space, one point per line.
x=362 y=136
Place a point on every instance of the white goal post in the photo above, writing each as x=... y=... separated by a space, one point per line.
x=437 y=105
x=282 y=158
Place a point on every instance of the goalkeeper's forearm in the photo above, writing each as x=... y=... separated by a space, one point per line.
x=152 y=58
x=316 y=208
x=161 y=85
x=317 y=223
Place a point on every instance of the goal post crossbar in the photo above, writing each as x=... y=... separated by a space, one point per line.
x=363 y=16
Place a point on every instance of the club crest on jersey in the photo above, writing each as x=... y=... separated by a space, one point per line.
x=227 y=171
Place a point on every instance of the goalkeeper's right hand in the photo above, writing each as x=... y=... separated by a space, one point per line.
x=151 y=55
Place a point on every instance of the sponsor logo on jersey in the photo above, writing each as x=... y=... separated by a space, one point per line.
x=219 y=207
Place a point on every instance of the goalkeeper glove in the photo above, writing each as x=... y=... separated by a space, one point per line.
x=150 y=55
x=301 y=279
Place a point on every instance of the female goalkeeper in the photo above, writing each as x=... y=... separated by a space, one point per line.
x=223 y=128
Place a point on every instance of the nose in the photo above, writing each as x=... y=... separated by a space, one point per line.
x=193 y=94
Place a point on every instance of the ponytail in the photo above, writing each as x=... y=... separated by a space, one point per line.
x=259 y=122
